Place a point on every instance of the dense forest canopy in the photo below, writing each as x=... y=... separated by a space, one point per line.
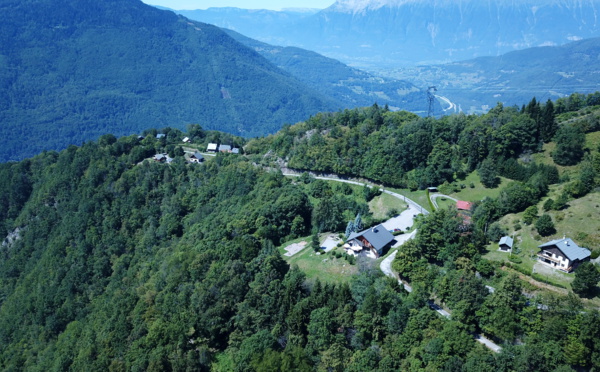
x=116 y=263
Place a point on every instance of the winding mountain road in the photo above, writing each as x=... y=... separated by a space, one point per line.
x=386 y=264
x=411 y=203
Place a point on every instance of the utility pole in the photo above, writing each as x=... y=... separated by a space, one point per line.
x=431 y=100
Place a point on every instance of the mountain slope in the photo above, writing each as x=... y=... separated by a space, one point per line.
x=71 y=71
x=515 y=77
x=386 y=33
x=335 y=79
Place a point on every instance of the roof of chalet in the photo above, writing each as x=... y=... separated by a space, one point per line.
x=186 y=139
x=225 y=148
x=160 y=157
x=569 y=248
x=235 y=150
x=212 y=146
x=507 y=240
x=378 y=236
x=463 y=205
x=161 y=135
x=198 y=155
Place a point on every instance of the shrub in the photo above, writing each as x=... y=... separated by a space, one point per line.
x=595 y=254
x=548 y=205
x=586 y=280
x=495 y=232
x=392 y=212
x=515 y=259
x=530 y=215
x=545 y=226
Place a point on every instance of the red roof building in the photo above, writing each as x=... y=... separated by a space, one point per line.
x=463 y=205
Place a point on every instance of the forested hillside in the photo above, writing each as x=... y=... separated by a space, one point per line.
x=71 y=71
x=114 y=263
x=401 y=149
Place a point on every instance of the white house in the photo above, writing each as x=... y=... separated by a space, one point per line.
x=563 y=254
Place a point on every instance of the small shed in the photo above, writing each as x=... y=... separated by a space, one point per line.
x=235 y=150
x=432 y=189
x=186 y=140
x=463 y=205
x=212 y=147
x=161 y=135
x=506 y=244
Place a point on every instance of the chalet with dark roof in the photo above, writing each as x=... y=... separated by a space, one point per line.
x=159 y=158
x=370 y=242
x=196 y=157
x=563 y=254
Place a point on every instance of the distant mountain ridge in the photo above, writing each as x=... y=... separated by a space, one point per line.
x=514 y=78
x=388 y=33
x=334 y=79
x=71 y=71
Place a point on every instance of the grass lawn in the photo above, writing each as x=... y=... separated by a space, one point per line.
x=478 y=192
x=382 y=205
x=419 y=196
x=592 y=140
x=444 y=203
x=325 y=266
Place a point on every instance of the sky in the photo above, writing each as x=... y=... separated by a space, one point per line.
x=245 y=4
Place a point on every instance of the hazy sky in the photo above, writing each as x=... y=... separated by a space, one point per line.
x=246 y=4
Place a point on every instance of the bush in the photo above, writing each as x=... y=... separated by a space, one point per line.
x=530 y=215
x=495 y=232
x=595 y=254
x=517 y=226
x=569 y=145
x=392 y=212
x=485 y=267
x=586 y=280
x=515 y=259
x=545 y=226
x=548 y=205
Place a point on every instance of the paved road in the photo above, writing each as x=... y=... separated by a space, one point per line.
x=451 y=105
x=386 y=264
x=488 y=343
x=439 y=310
x=411 y=203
